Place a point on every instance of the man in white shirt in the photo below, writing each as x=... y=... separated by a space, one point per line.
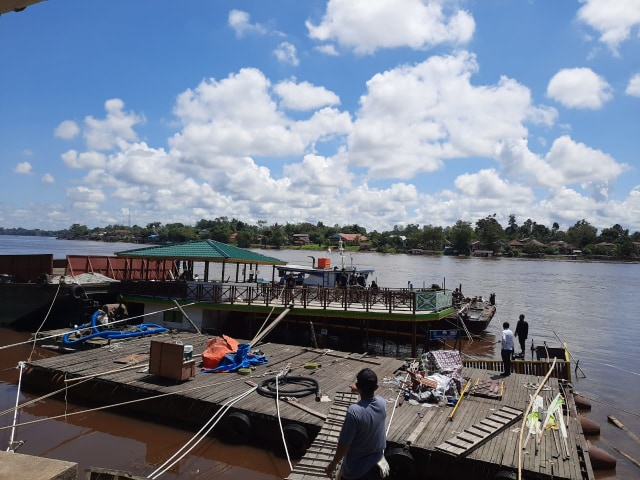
x=507 y=348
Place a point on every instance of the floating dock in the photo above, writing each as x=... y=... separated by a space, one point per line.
x=478 y=437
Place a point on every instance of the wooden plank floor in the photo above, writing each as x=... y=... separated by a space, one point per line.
x=419 y=428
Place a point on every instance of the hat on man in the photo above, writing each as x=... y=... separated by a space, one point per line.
x=367 y=380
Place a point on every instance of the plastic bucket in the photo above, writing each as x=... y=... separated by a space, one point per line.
x=188 y=351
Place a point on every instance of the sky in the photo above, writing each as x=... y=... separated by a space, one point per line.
x=370 y=112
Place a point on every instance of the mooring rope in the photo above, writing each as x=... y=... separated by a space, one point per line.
x=198 y=437
x=284 y=440
x=35 y=335
x=15 y=413
x=104 y=407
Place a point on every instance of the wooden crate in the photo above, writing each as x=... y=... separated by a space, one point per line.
x=166 y=360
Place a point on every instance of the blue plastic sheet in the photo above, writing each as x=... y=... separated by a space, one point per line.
x=242 y=358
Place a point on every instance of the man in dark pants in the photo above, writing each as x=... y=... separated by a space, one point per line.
x=522 y=332
x=507 y=348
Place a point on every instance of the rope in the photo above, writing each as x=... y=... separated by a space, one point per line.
x=284 y=440
x=396 y=402
x=128 y=402
x=15 y=413
x=198 y=437
x=45 y=319
x=609 y=405
x=621 y=369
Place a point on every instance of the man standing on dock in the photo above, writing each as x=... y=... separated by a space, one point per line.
x=507 y=348
x=522 y=332
x=363 y=438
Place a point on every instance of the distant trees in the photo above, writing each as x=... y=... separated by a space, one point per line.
x=614 y=241
x=489 y=232
x=582 y=234
x=460 y=237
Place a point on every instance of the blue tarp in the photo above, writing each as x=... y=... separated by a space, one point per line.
x=243 y=358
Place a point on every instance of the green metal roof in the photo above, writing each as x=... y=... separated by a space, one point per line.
x=203 y=251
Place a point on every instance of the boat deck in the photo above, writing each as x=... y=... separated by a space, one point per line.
x=422 y=437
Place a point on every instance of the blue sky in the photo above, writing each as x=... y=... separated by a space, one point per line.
x=373 y=112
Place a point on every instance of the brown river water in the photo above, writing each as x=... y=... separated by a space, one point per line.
x=591 y=306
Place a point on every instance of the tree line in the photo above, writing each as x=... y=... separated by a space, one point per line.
x=536 y=238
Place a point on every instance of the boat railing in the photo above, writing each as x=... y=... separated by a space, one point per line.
x=402 y=300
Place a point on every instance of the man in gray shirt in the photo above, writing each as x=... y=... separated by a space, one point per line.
x=362 y=439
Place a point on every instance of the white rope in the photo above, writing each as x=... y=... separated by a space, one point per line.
x=395 y=405
x=284 y=441
x=35 y=335
x=104 y=407
x=15 y=412
x=198 y=437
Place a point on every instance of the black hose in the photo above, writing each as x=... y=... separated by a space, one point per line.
x=306 y=386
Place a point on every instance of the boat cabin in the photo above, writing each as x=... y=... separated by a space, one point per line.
x=323 y=277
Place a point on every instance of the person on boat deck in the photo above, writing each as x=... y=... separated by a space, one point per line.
x=362 y=281
x=507 y=348
x=522 y=332
x=363 y=438
x=374 y=287
x=342 y=279
x=290 y=284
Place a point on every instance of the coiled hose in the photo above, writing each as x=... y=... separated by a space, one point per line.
x=289 y=386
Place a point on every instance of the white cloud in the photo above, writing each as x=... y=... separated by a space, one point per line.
x=141 y=165
x=579 y=88
x=578 y=163
x=285 y=52
x=115 y=130
x=567 y=163
x=91 y=159
x=85 y=198
x=47 y=178
x=327 y=49
x=239 y=22
x=413 y=118
x=67 y=129
x=368 y=25
x=238 y=117
x=633 y=88
x=304 y=96
x=23 y=168
x=614 y=20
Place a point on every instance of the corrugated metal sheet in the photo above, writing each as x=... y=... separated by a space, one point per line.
x=204 y=251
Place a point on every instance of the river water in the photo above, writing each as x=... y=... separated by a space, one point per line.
x=592 y=306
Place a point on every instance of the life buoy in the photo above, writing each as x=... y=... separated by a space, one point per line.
x=235 y=428
x=401 y=464
x=297 y=439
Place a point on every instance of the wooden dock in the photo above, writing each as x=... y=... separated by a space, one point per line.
x=421 y=438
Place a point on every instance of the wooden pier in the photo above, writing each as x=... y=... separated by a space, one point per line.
x=421 y=438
